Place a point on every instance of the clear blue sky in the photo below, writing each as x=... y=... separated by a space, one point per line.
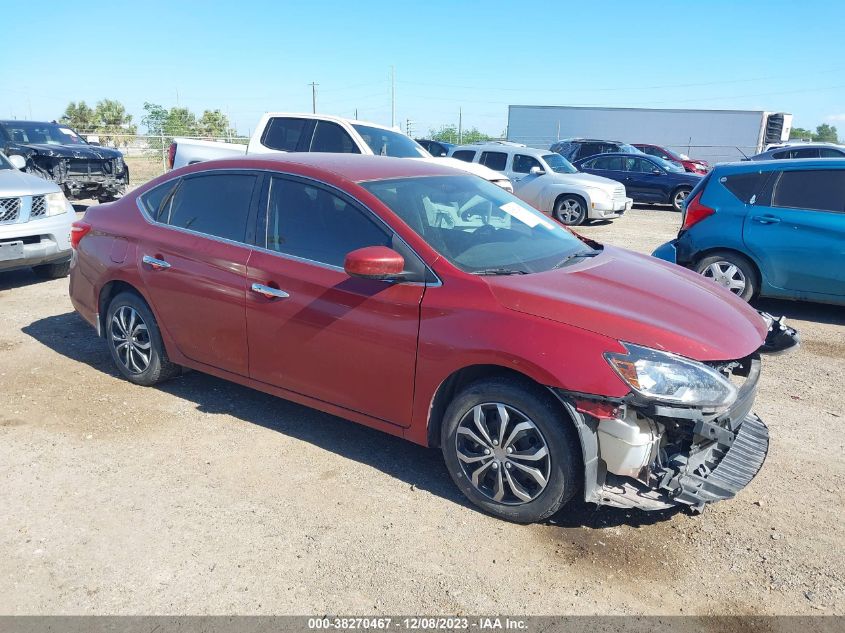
x=249 y=57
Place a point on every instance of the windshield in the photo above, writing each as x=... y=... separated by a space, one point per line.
x=390 y=143
x=42 y=133
x=4 y=162
x=629 y=149
x=559 y=164
x=665 y=164
x=477 y=226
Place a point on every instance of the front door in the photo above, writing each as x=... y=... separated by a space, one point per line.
x=346 y=341
x=799 y=239
x=193 y=264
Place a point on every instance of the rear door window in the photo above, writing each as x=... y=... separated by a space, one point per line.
x=494 y=160
x=805 y=152
x=465 y=155
x=818 y=190
x=745 y=186
x=213 y=204
x=590 y=149
x=330 y=137
x=612 y=163
x=283 y=133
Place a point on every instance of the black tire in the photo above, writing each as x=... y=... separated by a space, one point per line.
x=570 y=210
x=537 y=406
x=720 y=262
x=158 y=366
x=678 y=197
x=56 y=270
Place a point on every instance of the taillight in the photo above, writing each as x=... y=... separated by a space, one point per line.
x=78 y=230
x=171 y=155
x=695 y=212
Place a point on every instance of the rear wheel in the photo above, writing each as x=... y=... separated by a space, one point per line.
x=135 y=342
x=678 y=198
x=570 y=210
x=509 y=450
x=56 y=270
x=731 y=271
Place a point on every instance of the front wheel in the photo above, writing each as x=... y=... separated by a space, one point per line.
x=570 y=210
x=510 y=450
x=135 y=342
x=678 y=198
x=731 y=271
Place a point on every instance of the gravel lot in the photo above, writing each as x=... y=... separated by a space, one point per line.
x=205 y=497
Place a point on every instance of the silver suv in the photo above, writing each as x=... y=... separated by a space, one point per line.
x=549 y=182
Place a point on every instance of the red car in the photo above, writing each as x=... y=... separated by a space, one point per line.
x=691 y=165
x=433 y=305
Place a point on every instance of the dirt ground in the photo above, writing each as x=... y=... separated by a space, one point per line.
x=204 y=497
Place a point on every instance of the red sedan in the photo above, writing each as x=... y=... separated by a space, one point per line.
x=431 y=304
x=691 y=165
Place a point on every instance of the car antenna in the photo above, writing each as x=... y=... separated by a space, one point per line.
x=744 y=155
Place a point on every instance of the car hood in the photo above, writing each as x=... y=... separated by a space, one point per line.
x=473 y=168
x=586 y=180
x=90 y=152
x=641 y=300
x=14 y=183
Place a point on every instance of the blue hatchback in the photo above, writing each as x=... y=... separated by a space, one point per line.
x=773 y=229
x=646 y=178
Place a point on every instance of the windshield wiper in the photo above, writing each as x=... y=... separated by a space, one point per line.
x=499 y=271
x=575 y=256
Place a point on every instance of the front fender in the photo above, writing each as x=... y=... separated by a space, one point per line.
x=553 y=191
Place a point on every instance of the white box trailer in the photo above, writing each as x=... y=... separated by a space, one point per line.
x=711 y=135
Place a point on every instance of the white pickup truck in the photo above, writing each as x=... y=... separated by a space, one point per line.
x=290 y=132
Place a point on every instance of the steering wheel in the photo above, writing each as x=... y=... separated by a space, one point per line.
x=485 y=229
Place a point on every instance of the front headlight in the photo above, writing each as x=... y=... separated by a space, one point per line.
x=56 y=203
x=672 y=379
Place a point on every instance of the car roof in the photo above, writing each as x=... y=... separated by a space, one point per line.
x=498 y=147
x=329 y=117
x=788 y=163
x=351 y=167
x=589 y=140
x=629 y=154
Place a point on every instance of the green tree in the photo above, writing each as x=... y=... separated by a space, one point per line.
x=214 y=124
x=827 y=133
x=801 y=133
x=163 y=124
x=112 y=122
x=80 y=116
x=449 y=134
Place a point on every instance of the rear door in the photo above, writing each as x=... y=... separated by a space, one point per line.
x=193 y=264
x=798 y=234
x=497 y=161
x=346 y=341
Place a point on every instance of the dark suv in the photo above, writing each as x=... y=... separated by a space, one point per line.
x=573 y=149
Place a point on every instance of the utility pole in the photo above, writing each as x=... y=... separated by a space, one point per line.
x=392 y=96
x=356 y=114
x=314 y=97
x=460 y=126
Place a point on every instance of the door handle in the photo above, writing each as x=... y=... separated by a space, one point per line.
x=766 y=219
x=268 y=292
x=156 y=264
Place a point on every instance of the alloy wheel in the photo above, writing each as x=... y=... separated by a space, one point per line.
x=503 y=454
x=131 y=339
x=680 y=197
x=727 y=275
x=570 y=211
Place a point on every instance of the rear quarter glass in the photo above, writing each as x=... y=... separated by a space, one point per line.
x=745 y=186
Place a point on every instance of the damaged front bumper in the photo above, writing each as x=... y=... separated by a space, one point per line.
x=642 y=454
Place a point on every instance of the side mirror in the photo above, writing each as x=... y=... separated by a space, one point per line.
x=374 y=262
x=93 y=139
x=656 y=171
x=536 y=171
x=18 y=161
